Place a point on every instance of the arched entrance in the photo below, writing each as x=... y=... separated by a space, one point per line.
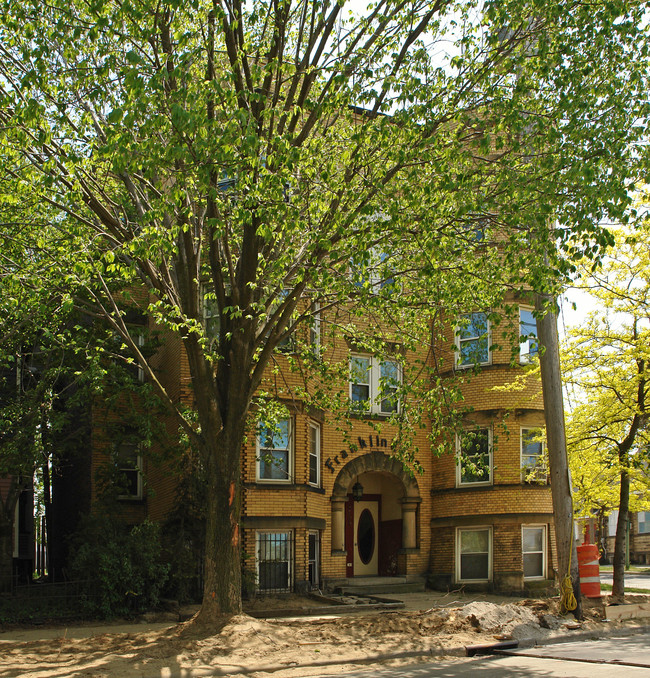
x=376 y=524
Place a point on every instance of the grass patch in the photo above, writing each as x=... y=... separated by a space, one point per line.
x=627 y=589
x=634 y=569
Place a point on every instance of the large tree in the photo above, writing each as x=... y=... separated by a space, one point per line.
x=264 y=160
x=607 y=370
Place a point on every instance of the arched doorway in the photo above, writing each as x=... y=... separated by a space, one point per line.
x=374 y=506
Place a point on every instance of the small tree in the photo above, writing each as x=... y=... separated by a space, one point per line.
x=607 y=367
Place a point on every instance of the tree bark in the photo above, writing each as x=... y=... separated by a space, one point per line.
x=556 y=440
x=618 y=583
x=222 y=561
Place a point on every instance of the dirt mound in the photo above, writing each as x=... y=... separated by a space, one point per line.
x=244 y=645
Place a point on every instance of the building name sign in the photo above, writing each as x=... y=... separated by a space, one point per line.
x=371 y=442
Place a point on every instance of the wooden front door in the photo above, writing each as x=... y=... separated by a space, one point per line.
x=362 y=538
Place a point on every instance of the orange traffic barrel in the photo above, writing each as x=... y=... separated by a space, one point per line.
x=589 y=570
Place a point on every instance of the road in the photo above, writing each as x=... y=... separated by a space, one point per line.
x=622 y=657
x=632 y=580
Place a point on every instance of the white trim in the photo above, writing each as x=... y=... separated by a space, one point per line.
x=375 y=394
x=314 y=426
x=542 y=475
x=544 y=551
x=459 y=474
x=289 y=449
x=314 y=329
x=474 y=528
x=525 y=357
x=316 y=559
x=138 y=468
x=459 y=341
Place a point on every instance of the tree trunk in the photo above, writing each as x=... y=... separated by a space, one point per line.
x=567 y=556
x=618 y=585
x=222 y=562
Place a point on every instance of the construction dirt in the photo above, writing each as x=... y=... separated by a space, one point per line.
x=430 y=624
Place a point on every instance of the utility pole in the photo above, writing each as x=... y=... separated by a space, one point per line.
x=549 y=361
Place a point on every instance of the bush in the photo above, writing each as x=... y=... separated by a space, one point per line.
x=122 y=567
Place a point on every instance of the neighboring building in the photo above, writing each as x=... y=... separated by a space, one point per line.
x=22 y=531
x=322 y=505
x=639 y=536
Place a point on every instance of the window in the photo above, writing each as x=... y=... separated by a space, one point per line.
x=374 y=384
x=474 y=451
x=533 y=546
x=528 y=347
x=314 y=454
x=473 y=340
x=612 y=523
x=533 y=456
x=373 y=268
x=313 y=558
x=274 y=452
x=274 y=561
x=644 y=522
x=314 y=329
x=474 y=229
x=211 y=319
x=124 y=357
x=129 y=470
x=474 y=554
x=134 y=368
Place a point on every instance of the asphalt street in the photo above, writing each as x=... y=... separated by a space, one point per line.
x=616 y=657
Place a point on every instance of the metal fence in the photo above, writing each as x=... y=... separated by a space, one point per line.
x=42 y=601
x=274 y=562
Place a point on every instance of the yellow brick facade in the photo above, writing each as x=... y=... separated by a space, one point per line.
x=415 y=524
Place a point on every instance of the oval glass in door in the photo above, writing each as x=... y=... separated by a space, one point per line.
x=366 y=536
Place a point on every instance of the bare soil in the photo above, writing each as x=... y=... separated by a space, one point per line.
x=287 y=647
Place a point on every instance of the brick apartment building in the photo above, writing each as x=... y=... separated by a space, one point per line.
x=324 y=503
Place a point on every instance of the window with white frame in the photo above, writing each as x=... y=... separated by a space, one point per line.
x=274 y=452
x=274 y=561
x=533 y=548
x=211 y=318
x=128 y=460
x=474 y=457
x=374 y=384
x=134 y=367
x=533 y=456
x=314 y=453
x=473 y=340
x=124 y=356
x=474 y=554
x=612 y=523
x=375 y=269
x=313 y=559
x=528 y=346
x=644 y=522
x=314 y=329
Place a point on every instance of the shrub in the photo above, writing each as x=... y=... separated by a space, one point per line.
x=122 y=567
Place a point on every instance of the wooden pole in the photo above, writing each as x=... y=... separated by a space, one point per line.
x=549 y=361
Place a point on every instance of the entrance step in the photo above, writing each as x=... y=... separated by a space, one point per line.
x=376 y=585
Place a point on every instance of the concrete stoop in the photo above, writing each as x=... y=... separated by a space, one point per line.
x=373 y=586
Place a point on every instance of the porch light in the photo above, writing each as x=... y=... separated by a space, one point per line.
x=357 y=491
